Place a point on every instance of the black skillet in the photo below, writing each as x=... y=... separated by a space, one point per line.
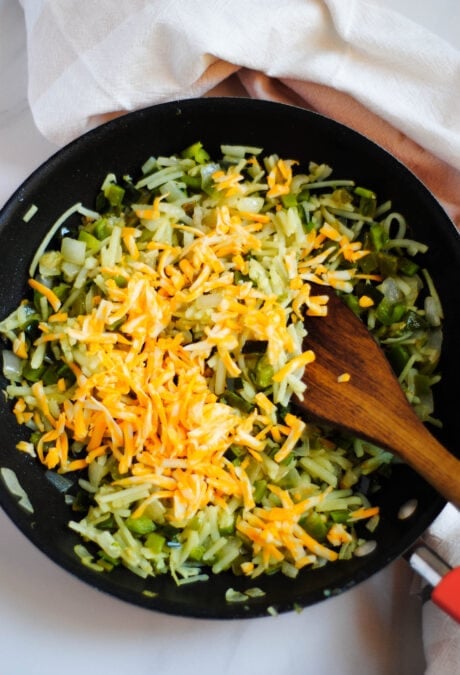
x=121 y=146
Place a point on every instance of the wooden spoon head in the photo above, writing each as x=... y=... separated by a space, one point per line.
x=369 y=401
x=350 y=384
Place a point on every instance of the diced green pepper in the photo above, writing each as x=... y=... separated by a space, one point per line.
x=194 y=523
x=141 y=525
x=398 y=356
x=408 y=267
x=263 y=372
x=108 y=523
x=339 y=516
x=316 y=525
x=226 y=531
x=389 y=313
x=368 y=263
x=260 y=487
x=197 y=553
x=107 y=561
x=114 y=194
x=92 y=243
x=33 y=374
x=196 y=152
x=61 y=290
x=50 y=376
x=378 y=236
x=398 y=312
x=237 y=401
x=155 y=542
x=287 y=460
x=237 y=450
x=289 y=200
x=367 y=202
x=101 y=229
x=388 y=264
x=308 y=226
x=193 y=182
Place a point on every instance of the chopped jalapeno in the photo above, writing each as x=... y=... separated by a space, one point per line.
x=263 y=372
x=236 y=400
x=316 y=525
x=155 y=542
x=196 y=152
x=398 y=355
x=114 y=194
x=378 y=236
x=141 y=525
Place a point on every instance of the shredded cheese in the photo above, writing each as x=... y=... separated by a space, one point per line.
x=155 y=327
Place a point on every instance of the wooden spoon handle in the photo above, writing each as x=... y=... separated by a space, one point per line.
x=430 y=459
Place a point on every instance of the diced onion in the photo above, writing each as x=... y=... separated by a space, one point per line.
x=73 y=250
x=12 y=483
x=12 y=366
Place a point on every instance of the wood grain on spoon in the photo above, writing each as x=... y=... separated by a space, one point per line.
x=371 y=405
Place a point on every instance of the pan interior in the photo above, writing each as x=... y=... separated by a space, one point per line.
x=121 y=146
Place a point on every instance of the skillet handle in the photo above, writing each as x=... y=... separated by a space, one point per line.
x=444 y=580
x=447 y=594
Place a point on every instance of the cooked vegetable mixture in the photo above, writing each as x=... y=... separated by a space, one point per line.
x=163 y=345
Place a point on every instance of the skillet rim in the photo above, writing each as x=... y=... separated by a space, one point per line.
x=11 y=209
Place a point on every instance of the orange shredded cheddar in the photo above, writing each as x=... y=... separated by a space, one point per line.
x=228 y=180
x=170 y=363
x=297 y=362
x=279 y=179
x=364 y=513
x=59 y=317
x=365 y=301
x=20 y=346
x=47 y=292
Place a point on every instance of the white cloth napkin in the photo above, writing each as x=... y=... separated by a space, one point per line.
x=441 y=634
x=352 y=60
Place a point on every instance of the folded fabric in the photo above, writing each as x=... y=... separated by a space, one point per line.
x=350 y=59
x=441 y=635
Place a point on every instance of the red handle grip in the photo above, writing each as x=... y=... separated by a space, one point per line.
x=447 y=594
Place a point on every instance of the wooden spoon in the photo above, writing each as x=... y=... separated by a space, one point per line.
x=371 y=405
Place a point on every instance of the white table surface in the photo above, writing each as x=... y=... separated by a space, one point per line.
x=51 y=623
